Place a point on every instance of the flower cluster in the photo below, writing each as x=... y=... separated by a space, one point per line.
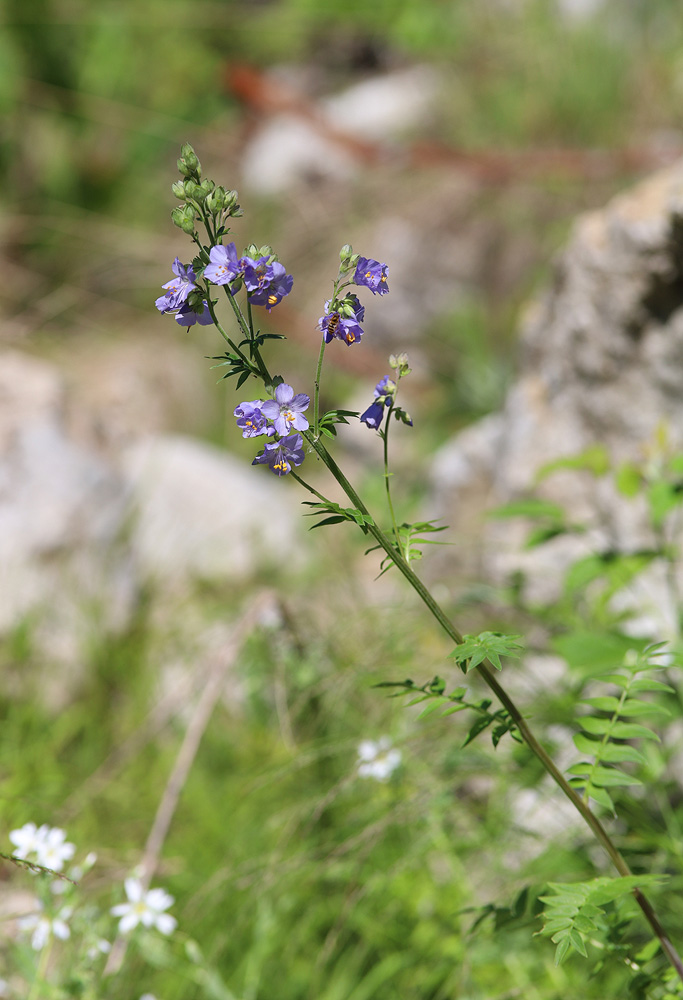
x=377 y=759
x=265 y=278
x=281 y=416
x=342 y=320
x=343 y=316
x=46 y=845
x=146 y=908
x=183 y=299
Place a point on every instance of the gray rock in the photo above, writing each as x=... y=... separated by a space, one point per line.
x=601 y=362
x=61 y=511
x=198 y=513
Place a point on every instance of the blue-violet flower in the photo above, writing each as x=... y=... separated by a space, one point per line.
x=224 y=266
x=286 y=409
x=343 y=323
x=187 y=316
x=372 y=274
x=384 y=393
x=267 y=284
x=281 y=455
x=178 y=288
x=251 y=421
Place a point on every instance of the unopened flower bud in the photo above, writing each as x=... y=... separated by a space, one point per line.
x=345 y=252
x=178 y=189
x=190 y=188
x=184 y=218
x=232 y=205
x=188 y=164
x=401 y=363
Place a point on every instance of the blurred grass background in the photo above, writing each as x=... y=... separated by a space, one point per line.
x=298 y=880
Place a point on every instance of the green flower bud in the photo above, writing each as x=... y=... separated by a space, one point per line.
x=184 y=218
x=400 y=362
x=178 y=189
x=188 y=164
x=191 y=188
x=345 y=253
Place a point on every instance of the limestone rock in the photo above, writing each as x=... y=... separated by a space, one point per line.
x=198 y=513
x=61 y=509
x=601 y=362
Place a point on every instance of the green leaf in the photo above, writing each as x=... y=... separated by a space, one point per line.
x=431 y=708
x=607 y=777
x=662 y=498
x=562 y=950
x=634 y=707
x=479 y=726
x=584 y=745
x=594 y=459
x=619 y=753
x=629 y=479
x=531 y=507
x=631 y=731
x=599 y=727
x=647 y=684
x=605 y=703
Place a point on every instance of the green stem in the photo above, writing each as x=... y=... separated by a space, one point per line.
x=387 y=476
x=316 y=389
x=487 y=672
x=39 y=978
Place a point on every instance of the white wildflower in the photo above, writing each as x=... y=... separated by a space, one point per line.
x=47 y=843
x=42 y=928
x=146 y=908
x=101 y=947
x=377 y=759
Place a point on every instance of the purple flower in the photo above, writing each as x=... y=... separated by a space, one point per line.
x=372 y=274
x=373 y=415
x=251 y=421
x=286 y=410
x=281 y=455
x=187 y=316
x=224 y=266
x=267 y=284
x=384 y=393
x=178 y=288
x=344 y=322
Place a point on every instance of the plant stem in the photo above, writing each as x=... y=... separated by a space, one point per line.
x=316 y=390
x=487 y=672
x=387 y=475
